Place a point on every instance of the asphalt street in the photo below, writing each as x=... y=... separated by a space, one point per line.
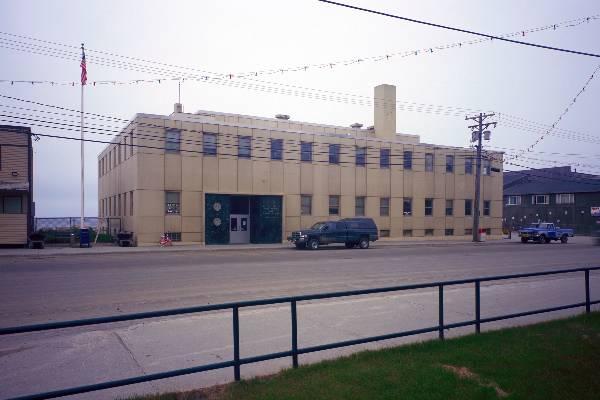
x=43 y=289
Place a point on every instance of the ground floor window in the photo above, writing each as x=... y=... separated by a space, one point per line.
x=11 y=205
x=334 y=205
x=407 y=232
x=173 y=202
x=384 y=233
x=428 y=232
x=449 y=232
x=174 y=236
x=305 y=204
x=359 y=210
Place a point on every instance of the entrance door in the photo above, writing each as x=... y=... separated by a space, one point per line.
x=239 y=228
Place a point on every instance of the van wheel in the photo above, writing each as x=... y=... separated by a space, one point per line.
x=363 y=243
x=349 y=245
x=313 y=244
x=564 y=239
x=547 y=240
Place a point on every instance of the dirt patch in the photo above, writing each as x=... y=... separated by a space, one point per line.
x=466 y=373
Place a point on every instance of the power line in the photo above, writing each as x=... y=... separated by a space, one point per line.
x=491 y=37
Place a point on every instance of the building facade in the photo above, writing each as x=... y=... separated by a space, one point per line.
x=212 y=177
x=557 y=195
x=16 y=185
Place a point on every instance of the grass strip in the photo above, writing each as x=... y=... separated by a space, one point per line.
x=552 y=360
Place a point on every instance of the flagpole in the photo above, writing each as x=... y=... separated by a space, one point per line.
x=81 y=226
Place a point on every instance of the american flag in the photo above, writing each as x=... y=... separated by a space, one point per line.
x=83 y=67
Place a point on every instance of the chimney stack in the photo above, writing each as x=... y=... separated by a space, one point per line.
x=178 y=108
x=385 y=111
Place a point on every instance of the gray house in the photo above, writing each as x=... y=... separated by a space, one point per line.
x=568 y=198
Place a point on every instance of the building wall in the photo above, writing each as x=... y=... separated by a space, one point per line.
x=151 y=171
x=577 y=215
x=15 y=176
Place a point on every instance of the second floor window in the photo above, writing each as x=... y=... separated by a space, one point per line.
x=407 y=161
x=486 y=167
x=361 y=156
x=244 y=146
x=306 y=151
x=469 y=166
x=276 y=149
x=384 y=158
x=334 y=154
x=209 y=144
x=487 y=205
x=173 y=205
x=172 y=141
x=428 y=162
x=449 y=163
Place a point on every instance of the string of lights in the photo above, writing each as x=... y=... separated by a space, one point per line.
x=341 y=62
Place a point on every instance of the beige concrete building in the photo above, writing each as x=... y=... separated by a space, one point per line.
x=212 y=177
x=16 y=185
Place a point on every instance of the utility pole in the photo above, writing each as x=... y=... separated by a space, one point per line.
x=479 y=132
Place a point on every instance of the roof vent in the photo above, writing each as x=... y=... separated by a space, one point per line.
x=371 y=128
x=356 y=125
x=282 y=116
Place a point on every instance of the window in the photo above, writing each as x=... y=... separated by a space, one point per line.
x=12 y=205
x=172 y=202
x=276 y=149
x=407 y=160
x=486 y=207
x=119 y=205
x=428 y=206
x=334 y=154
x=306 y=151
x=384 y=233
x=361 y=156
x=565 y=198
x=384 y=158
x=428 y=232
x=119 y=153
x=305 y=204
x=468 y=207
x=486 y=166
x=244 y=146
x=468 y=231
x=407 y=207
x=209 y=144
x=469 y=166
x=488 y=231
x=131 y=203
x=513 y=200
x=449 y=163
x=334 y=205
x=174 y=236
x=449 y=232
x=540 y=199
x=449 y=207
x=172 y=142
x=384 y=206
x=428 y=162
x=131 y=143
x=359 y=206
x=407 y=232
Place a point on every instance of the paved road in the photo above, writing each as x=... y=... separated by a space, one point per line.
x=43 y=289
x=56 y=288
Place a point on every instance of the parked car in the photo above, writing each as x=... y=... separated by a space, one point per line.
x=350 y=231
x=544 y=232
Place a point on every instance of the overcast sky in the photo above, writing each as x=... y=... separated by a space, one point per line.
x=242 y=36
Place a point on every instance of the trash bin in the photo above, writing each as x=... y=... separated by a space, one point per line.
x=482 y=235
x=84 y=237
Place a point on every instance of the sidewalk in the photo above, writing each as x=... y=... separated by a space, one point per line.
x=98 y=249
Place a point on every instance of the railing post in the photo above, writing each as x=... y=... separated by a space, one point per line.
x=236 y=343
x=441 y=311
x=477 y=306
x=294 y=335
x=587 y=291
